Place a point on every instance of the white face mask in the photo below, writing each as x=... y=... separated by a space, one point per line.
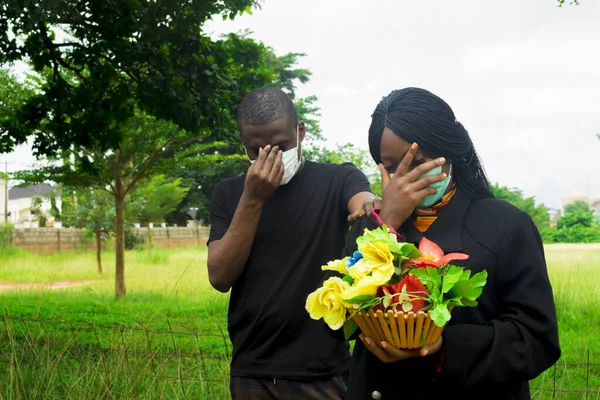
x=291 y=161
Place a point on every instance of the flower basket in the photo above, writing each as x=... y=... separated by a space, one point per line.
x=401 y=330
x=395 y=292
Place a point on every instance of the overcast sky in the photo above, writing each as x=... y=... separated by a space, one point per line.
x=522 y=76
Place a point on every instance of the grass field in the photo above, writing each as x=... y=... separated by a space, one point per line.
x=166 y=339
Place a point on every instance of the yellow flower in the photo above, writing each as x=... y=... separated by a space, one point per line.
x=377 y=262
x=326 y=302
x=363 y=287
x=336 y=265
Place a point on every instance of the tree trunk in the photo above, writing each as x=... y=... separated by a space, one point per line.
x=149 y=241
x=99 y=251
x=120 y=290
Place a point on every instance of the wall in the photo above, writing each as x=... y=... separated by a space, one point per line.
x=48 y=240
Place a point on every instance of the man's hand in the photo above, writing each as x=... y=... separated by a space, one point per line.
x=389 y=354
x=368 y=206
x=264 y=175
x=403 y=192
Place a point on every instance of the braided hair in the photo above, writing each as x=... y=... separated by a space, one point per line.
x=417 y=115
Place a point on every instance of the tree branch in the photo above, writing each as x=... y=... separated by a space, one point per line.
x=151 y=159
x=56 y=58
x=95 y=156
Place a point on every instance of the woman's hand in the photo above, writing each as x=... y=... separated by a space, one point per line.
x=389 y=354
x=403 y=192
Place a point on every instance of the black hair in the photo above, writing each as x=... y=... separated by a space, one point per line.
x=417 y=115
x=264 y=105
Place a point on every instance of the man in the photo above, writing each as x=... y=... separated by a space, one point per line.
x=271 y=231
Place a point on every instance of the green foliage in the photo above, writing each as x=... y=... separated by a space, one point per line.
x=450 y=286
x=13 y=95
x=539 y=213
x=577 y=205
x=133 y=240
x=92 y=210
x=572 y=2
x=577 y=219
x=158 y=197
x=350 y=153
x=99 y=70
x=5 y=237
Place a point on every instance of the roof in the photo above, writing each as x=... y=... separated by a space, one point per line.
x=31 y=191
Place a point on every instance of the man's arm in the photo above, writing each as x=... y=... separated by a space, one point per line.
x=361 y=203
x=356 y=192
x=228 y=255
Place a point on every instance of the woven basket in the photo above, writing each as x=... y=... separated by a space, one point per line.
x=401 y=330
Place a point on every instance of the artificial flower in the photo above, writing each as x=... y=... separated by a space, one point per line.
x=354 y=259
x=433 y=256
x=337 y=266
x=326 y=302
x=362 y=287
x=377 y=261
x=409 y=293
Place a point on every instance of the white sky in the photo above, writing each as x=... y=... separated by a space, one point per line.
x=522 y=76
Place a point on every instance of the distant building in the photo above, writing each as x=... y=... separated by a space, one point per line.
x=554 y=216
x=593 y=201
x=19 y=203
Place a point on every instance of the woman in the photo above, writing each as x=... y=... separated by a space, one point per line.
x=434 y=186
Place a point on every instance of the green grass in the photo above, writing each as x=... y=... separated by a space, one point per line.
x=165 y=340
x=94 y=358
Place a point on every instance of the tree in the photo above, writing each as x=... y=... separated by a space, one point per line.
x=148 y=147
x=577 y=205
x=154 y=57
x=572 y=2
x=156 y=199
x=106 y=82
x=539 y=213
x=577 y=214
x=13 y=95
x=93 y=211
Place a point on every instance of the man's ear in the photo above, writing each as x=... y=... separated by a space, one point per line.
x=301 y=130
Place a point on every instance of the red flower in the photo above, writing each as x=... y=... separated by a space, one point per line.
x=433 y=256
x=409 y=294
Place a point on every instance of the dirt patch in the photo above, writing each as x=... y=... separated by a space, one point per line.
x=42 y=286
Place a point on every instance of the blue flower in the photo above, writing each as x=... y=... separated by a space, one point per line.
x=354 y=259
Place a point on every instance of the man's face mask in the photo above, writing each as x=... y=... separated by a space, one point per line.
x=292 y=160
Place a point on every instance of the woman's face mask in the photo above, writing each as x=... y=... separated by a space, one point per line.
x=441 y=187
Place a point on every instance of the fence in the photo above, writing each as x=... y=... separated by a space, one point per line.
x=79 y=360
x=46 y=240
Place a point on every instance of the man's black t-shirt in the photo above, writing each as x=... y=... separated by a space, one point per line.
x=303 y=225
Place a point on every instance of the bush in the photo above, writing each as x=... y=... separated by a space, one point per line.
x=5 y=236
x=133 y=240
x=573 y=234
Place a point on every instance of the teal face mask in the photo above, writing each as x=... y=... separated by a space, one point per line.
x=441 y=186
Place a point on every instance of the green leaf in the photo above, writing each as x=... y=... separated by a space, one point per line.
x=468 y=290
x=440 y=315
x=349 y=279
x=360 y=299
x=386 y=301
x=453 y=274
x=350 y=327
